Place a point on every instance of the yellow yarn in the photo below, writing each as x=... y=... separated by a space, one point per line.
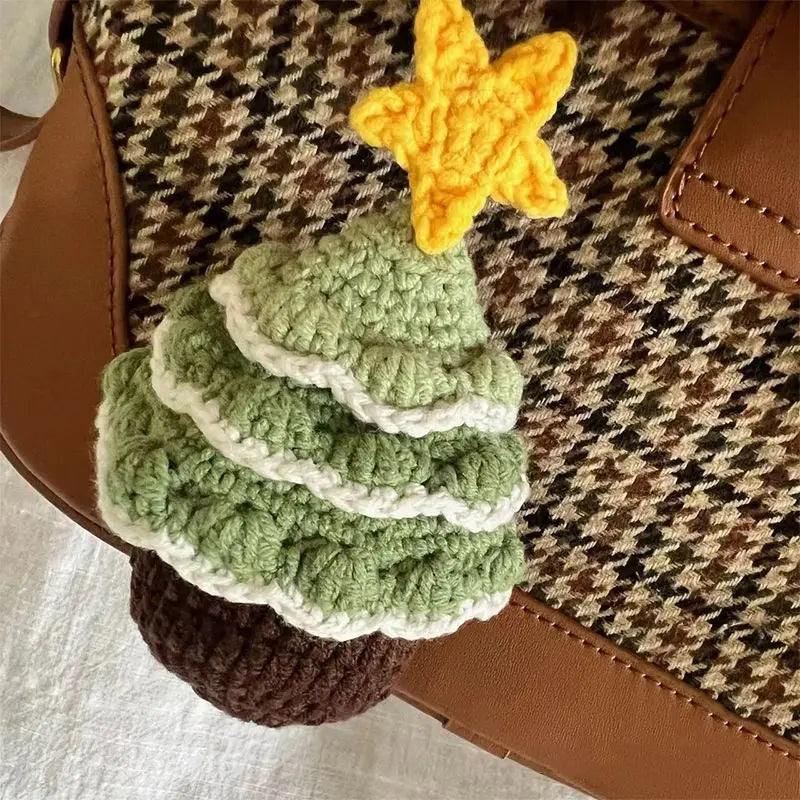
x=466 y=129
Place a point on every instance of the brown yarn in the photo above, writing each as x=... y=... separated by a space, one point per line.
x=248 y=662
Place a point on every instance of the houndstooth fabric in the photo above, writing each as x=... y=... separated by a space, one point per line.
x=661 y=409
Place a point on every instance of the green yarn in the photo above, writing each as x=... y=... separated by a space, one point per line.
x=407 y=325
x=331 y=439
x=309 y=424
x=164 y=475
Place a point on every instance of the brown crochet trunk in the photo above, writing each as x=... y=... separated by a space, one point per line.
x=248 y=662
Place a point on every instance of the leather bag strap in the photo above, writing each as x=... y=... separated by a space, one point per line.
x=17 y=129
x=20 y=129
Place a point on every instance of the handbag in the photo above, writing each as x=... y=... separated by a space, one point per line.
x=652 y=648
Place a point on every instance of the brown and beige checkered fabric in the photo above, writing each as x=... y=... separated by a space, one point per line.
x=662 y=408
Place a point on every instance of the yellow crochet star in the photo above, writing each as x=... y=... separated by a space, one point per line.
x=466 y=129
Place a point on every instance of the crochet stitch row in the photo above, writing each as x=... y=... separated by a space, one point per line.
x=304 y=436
x=397 y=335
x=252 y=664
x=231 y=533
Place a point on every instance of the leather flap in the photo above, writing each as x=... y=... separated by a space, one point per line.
x=733 y=191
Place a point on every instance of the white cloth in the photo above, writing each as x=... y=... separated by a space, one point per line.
x=86 y=712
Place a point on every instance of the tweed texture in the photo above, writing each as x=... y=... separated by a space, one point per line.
x=286 y=432
x=248 y=662
x=661 y=389
x=466 y=129
x=406 y=326
x=227 y=530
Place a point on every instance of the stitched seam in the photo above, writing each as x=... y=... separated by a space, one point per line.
x=743 y=199
x=741 y=729
x=107 y=210
x=734 y=249
x=682 y=180
x=745 y=78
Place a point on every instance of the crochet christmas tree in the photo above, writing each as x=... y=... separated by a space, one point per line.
x=259 y=489
x=328 y=432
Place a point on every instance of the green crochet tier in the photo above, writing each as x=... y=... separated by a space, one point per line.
x=397 y=335
x=302 y=435
x=232 y=533
x=336 y=445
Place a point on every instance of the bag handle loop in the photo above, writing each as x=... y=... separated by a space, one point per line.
x=19 y=129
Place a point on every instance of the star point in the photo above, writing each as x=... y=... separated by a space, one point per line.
x=466 y=128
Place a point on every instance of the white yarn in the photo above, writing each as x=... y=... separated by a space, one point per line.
x=413 y=500
x=310 y=370
x=198 y=570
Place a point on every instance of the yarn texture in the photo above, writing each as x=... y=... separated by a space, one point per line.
x=300 y=435
x=324 y=435
x=232 y=533
x=384 y=326
x=466 y=129
x=260 y=490
x=248 y=662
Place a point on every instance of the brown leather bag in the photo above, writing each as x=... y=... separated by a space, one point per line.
x=577 y=678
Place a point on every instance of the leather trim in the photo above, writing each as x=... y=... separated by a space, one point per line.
x=63 y=281
x=536 y=686
x=17 y=130
x=729 y=19
x=732 y=191
x=115 y=220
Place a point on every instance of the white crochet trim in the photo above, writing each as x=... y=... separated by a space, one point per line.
x=310 y=370
x=198 y=570
x=413 y=500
